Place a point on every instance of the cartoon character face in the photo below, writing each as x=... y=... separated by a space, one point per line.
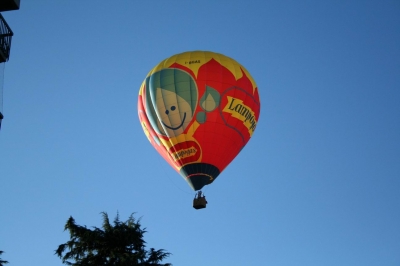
x=174 y=112
x=171 y=101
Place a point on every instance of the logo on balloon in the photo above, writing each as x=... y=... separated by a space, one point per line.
x=244 y=113
x=184 y=153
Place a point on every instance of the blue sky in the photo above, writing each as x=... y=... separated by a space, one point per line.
x=318 y=184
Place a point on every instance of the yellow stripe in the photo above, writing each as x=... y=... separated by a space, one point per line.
x=194 y=60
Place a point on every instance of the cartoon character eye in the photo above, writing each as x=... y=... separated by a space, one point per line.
x=172 y=109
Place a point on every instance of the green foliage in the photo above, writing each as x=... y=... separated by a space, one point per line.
x=2 y=262
x=120 y=244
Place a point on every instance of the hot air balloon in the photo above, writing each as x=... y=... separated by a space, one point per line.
x=198 y=110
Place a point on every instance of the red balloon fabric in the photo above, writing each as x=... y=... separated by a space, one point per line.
x=198 y=110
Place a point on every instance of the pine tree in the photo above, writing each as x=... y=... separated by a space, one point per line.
x=2 y=262
x=120 y=244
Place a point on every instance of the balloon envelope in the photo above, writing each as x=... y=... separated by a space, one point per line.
x=198 y=110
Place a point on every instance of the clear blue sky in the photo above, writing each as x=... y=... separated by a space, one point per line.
x=318 y=184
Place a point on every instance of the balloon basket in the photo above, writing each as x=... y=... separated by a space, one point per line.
x=199 y=203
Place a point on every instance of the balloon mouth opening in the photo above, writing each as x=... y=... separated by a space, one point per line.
x=199 y=174
x=198 y=181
